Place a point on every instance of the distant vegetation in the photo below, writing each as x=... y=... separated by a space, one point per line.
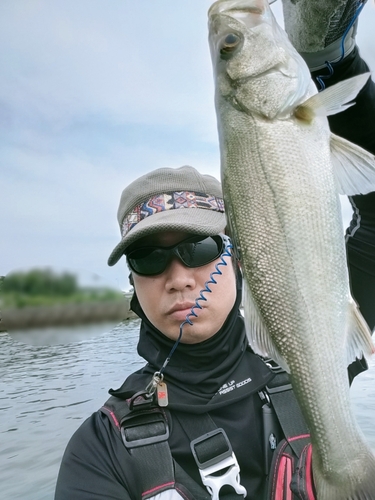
x=46 y=287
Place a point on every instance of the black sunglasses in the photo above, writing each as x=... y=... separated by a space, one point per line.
x=192 y=252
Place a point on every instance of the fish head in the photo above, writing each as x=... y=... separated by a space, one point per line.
x=256 y=68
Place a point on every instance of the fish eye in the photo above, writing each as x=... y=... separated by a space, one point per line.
x=229 y=44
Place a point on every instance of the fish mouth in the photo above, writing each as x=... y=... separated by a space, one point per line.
x=247 y=6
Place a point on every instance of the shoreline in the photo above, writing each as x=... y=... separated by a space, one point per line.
x=66 y=314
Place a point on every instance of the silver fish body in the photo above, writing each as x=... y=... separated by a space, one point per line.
x=281 y=194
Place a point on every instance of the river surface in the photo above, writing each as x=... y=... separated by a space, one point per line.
x=46 y=392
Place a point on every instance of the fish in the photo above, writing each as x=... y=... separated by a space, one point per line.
x=282 y=172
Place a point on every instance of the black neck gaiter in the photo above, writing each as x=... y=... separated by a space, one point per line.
x=214 y=372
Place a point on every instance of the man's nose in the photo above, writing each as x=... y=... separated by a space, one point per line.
x=179 y=276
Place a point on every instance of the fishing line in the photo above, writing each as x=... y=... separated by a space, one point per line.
x=330 y=66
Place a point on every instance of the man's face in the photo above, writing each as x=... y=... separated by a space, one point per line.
x=167 y=298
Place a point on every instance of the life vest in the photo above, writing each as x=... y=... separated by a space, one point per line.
x=144 y=431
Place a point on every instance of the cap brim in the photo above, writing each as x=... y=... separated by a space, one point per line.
x=190 y=220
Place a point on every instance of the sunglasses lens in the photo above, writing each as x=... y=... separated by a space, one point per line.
x=150 y=261
x=199 y=253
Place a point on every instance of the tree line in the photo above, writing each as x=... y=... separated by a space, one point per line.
x=45 y=287
x=40 y=282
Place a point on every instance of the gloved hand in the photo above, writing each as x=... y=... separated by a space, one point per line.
x=317 y=27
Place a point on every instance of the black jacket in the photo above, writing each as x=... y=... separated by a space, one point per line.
x=96 y=464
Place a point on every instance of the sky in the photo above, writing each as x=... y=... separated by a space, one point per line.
x=94 y=94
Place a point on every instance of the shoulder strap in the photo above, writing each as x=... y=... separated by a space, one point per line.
x=289 y=472
x=279 y=391
x=144 y=433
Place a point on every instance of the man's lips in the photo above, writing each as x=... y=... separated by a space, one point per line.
x=180 y=308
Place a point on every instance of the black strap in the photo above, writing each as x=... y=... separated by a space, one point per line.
x=145 y=433
x=195 y=490
x=209 y=443
x=287 y=410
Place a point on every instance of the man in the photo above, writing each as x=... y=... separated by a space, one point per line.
x=200 y=372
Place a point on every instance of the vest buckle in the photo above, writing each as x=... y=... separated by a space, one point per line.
x=217 y=463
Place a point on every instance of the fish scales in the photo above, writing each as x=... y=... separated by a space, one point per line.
x=288 y=297
x=282 y=203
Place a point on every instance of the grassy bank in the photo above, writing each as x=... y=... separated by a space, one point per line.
x=20 y=300
x=41 y=297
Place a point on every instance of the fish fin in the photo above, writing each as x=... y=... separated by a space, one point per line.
x=257 y=332
x=354 y=167
x=354 y=482
x=359 y=339
x=337 y=98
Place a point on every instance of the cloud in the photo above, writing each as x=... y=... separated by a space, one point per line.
x=128 y=62
x=92 y=95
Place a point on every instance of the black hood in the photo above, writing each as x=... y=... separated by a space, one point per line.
x=215 y=372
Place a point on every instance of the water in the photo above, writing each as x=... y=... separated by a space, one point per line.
x=46 y=392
